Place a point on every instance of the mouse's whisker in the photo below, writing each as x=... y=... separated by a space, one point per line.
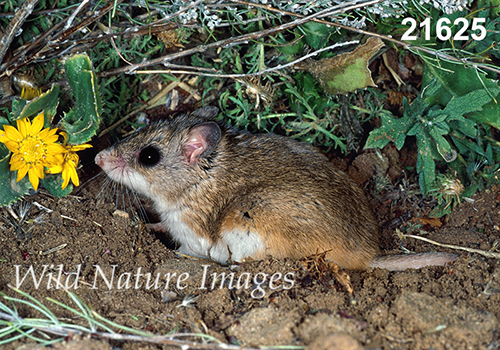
x=141 y=211
x=121 y=196
x=134 y=201
x=88 y=182
x=103 y=194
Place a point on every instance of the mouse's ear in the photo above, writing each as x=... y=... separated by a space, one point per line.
x=201 y=141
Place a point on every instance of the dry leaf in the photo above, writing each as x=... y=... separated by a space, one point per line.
x=169 y=38
x=434 y=222
x=348 y=71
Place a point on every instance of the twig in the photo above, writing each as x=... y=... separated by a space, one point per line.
x=94 y=16
x=50 y=39
x=485 y=253
x=41 y=12
x=150 y=103
x=69 y=22
x=360 y=31
x=183 y=9
x=52 y=250
x=198 y=71
x=223 y=43
x=316 y=17
x=15 y=25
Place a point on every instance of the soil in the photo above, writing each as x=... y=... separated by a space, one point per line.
x=277 y=302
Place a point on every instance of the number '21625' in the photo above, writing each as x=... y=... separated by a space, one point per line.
x=443 y=32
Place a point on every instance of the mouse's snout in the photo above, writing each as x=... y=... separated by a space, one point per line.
x=108 y=160
x=99 y=159
x=113 y=164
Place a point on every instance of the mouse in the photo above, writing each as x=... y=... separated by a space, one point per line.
x=230 y=195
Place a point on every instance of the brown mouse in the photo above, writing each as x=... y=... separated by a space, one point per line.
x=228 y=195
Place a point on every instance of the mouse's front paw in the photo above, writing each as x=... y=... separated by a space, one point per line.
x=159 y=226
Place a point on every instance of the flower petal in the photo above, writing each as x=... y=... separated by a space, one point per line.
x=12 y=133
x=65 y=135
x=3 y=136
x=55 y=169
x=55 y=148
x=21 y=173
x=24 y=127
x=74 y=176
x=16 y=164
x=38 y=169
x=65 y=177
x=37 y=124
x=80 y=147
x=33 y=178
x=44 y=134
x=11 y=145
x=49 y=135
x=53 y=160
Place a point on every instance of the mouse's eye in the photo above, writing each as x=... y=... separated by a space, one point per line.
x=149 y=156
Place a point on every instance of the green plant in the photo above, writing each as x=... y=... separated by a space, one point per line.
x=21 y=147
x=14 y=326
x=435 y=121
x=448 y=192
x=227 y=44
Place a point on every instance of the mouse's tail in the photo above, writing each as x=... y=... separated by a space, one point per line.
x=412 y=261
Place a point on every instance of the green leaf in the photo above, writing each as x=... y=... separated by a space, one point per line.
x=489 y=115
x=46 y=102
x=17 y=107
x=82 y=122
x=4 y=152
x=425 y=163
x=470 y=80
x=391 y=130
x=446 y=73
x=53 y=184
x=495 y=7
x=471 y=102
x=4 y=121
x=465 y=145
x=317 y=34
x=293 y=47
x=11 y=189
x=428 y=92
x=489 y=44
x=465 y=126
x=416 y=129
x=443 y=146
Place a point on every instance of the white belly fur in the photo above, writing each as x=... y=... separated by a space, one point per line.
x=232 y=246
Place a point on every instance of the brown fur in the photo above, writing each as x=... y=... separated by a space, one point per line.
x=287 y=191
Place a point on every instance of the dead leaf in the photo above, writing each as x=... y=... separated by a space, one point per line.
x=169 y=38
x=348 y=71
x=434 y=222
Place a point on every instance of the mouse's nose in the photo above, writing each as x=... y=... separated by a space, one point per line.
x=99 y=159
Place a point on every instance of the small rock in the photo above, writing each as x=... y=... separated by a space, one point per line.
x=122 y=219
x=55 y=218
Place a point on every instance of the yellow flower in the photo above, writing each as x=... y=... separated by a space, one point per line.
x=32 y=148
x=68 y=167
x=30 y=92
